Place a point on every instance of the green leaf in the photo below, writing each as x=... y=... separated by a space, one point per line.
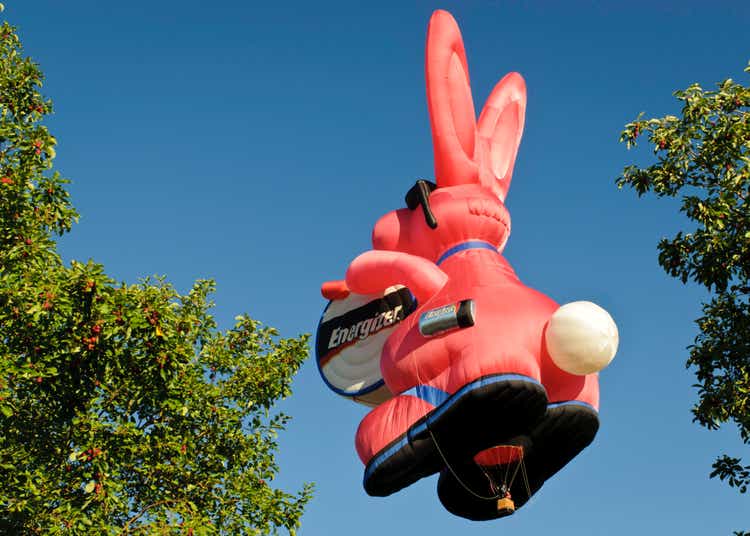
x=114 y=374
x=705 y=168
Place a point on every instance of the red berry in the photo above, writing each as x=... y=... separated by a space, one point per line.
x=39 y=379
x=6 y=180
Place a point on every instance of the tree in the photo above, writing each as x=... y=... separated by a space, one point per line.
x=123 y=410
x=703 y=157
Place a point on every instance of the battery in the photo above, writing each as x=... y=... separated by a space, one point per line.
x=447 y=317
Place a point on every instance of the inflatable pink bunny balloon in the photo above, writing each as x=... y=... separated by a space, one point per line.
x=479 y=363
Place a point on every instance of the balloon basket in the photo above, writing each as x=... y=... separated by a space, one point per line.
x=506 y=506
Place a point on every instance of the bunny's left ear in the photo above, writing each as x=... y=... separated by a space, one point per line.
x=500 y=129
x=449 y=101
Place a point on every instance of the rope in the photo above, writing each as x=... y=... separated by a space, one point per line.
x=505 y=478
x=518 y=466
x=490 y=481
x=455 y=475
x=525 y=479
x=521 y=465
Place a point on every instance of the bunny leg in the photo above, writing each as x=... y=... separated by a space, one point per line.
x=394 y=457
x=502 y=409
x=584 y=339
x=569 y=425
x=420 y=431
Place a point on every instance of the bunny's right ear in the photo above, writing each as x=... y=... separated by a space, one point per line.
x=449 y=101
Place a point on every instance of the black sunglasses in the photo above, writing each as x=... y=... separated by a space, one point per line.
x=419 y=195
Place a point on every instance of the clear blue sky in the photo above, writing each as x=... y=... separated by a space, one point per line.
x=257 y=145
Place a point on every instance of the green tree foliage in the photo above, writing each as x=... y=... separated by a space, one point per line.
x=703 y=158
x=123 y=410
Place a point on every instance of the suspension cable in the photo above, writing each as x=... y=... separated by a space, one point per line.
x=453 y=472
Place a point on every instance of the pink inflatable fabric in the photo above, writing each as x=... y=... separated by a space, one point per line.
x=466 y=389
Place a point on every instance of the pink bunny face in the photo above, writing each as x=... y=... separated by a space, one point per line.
x=466 y=212
x=473 y=160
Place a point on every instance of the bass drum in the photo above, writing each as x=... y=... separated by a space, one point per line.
x=350 y=339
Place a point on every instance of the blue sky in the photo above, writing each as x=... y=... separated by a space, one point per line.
x=257 y=144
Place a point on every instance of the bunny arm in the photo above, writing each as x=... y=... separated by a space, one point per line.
x=376 y=270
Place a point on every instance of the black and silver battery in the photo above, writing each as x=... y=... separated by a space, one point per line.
x=448 y=317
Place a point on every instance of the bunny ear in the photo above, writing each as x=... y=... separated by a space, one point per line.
x=452 y=115
x=500 y=129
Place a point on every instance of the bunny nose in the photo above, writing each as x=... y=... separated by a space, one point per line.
x=387 y=232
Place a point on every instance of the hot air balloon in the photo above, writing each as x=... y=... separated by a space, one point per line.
x=484 y=379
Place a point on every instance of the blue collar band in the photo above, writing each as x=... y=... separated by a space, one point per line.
x=471 y=244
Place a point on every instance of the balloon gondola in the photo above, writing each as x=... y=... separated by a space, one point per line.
x=490 y=481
